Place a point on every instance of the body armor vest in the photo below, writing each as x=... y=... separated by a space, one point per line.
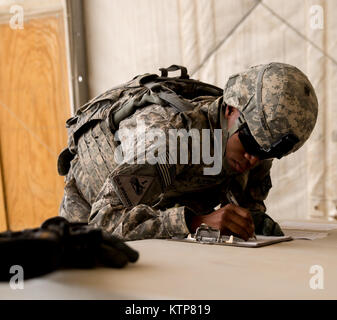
x=101 y=115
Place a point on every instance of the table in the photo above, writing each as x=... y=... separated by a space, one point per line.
x=170 y=269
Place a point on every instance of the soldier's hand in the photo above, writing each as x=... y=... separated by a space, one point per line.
x=230 y=219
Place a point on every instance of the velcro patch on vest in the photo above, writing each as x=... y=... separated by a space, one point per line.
x=165 y=170
x=131 y=188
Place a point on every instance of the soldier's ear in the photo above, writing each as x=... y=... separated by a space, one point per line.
x=229 y=111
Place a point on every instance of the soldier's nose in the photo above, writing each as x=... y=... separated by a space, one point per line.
x=251 y=159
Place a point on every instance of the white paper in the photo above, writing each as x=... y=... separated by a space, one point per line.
x=304 y=235
x=260 y=241
x=309 y=226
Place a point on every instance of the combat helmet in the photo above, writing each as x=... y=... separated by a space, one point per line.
x=278 y=108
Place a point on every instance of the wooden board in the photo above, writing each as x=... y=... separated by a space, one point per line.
x=3 y=217
x=34 y=105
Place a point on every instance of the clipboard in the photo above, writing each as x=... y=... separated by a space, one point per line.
x=207 y=235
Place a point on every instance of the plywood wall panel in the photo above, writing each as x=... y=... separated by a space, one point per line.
x=3 y=217
x=34 y=107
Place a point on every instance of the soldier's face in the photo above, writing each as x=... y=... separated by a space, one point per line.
x=236 y=155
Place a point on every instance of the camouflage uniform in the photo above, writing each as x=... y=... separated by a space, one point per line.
x=140 y=200
x=90 y=195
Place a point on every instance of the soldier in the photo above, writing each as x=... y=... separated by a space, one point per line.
x=266 y=112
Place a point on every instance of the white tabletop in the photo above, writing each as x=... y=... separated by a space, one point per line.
x=176 y=270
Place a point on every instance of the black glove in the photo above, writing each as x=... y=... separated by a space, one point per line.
x=265 y=225
x=60 y=244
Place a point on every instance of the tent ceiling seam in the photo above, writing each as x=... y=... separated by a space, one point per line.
x=298 y=32
x=231 y=32
x=218 y=46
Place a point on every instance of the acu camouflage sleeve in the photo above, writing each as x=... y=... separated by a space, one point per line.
x=257 y=188
x=73 y=206
x=139 y=222
x=127 y=205
x=252 y=189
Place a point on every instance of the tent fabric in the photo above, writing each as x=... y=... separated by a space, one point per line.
x=217 y=38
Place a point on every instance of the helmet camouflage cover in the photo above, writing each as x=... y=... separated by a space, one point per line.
x=274 y=99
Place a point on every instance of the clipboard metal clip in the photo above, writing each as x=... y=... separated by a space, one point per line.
x=207 y=234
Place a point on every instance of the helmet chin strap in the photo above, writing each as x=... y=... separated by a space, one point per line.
x=240 y=120
x=237 y=124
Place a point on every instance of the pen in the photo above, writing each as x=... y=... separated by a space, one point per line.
x=232 y=200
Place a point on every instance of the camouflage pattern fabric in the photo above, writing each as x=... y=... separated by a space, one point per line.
x=140 y=200
x=275 y=99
